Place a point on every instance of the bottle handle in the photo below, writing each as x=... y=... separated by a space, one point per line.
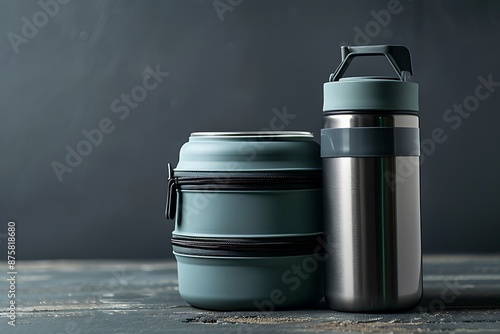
x=397 y=55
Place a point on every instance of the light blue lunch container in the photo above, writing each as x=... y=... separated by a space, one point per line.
x=248 y=220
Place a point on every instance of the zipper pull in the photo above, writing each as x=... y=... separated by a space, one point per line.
x=171 y=208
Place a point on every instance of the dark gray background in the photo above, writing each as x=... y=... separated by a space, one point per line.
x=224 y=75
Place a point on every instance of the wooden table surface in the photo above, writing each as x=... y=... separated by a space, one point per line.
x=461 y=295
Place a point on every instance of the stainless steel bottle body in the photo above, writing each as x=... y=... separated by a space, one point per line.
x=372 y=221
x=370 y=150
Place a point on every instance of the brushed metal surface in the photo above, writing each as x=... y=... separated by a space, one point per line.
x=372 y=226
x=256 y=134
x=369 y=120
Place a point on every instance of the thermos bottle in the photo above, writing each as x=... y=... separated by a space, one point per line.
x=370 y=152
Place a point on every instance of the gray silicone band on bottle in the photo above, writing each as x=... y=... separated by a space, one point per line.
x=370 y=142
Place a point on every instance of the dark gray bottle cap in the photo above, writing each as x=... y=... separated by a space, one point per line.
x=372 y=93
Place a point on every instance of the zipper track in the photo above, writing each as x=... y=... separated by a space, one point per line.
x=241 y=180
x=248 y=180
x=245 y=247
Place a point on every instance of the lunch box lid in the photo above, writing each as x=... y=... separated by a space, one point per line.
x=247 y=151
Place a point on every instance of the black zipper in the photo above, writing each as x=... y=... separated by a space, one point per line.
x=241 y=180
x=247 y=247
